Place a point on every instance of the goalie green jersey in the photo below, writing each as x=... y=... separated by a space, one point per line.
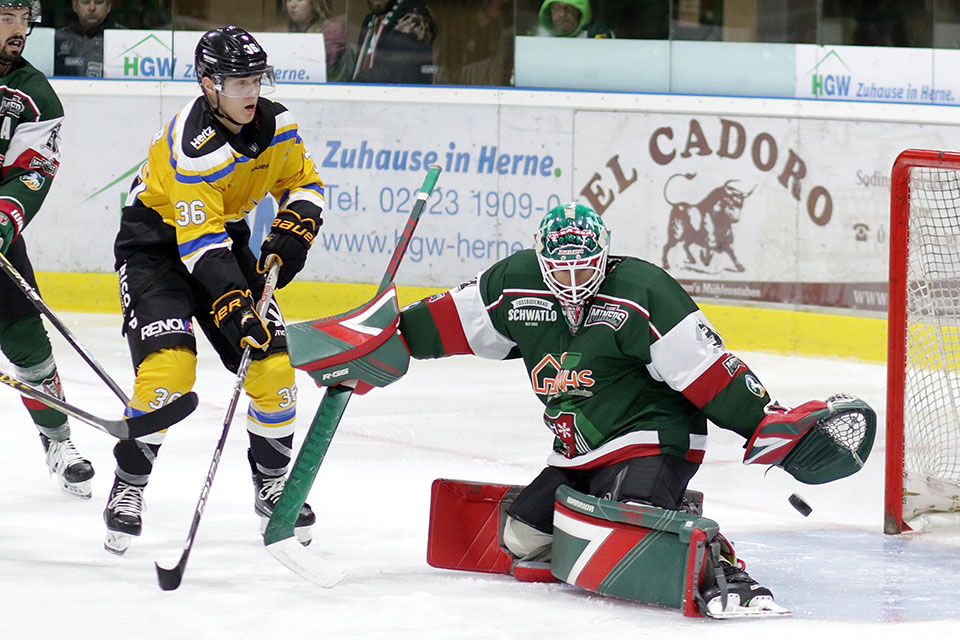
x=641 y=376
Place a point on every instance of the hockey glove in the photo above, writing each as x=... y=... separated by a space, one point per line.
x=8 y=232
x=289 y=239
x=235 y=316
x=816 y=442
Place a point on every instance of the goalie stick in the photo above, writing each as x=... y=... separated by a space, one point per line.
x=170 y=579
x=279 y=535
x=133 y=427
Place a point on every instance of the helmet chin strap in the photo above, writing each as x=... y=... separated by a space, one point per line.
x=220 y=114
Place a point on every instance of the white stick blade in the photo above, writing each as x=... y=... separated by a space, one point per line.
x=298 y=559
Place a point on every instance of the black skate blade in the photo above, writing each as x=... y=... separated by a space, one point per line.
x=164 y=417
x=169 y=579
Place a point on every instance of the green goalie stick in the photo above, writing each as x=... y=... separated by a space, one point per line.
x=279 y=535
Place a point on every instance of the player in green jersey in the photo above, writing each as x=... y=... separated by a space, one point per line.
x=30 y=119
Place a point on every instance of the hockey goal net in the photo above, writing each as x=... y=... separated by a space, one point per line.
x=923 y=356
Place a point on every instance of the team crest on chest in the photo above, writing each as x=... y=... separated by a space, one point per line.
x=532 y=311
x=612 y=315
x=558 y=374
x=11 y=105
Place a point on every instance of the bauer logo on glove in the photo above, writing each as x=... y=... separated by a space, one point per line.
x=290 y=238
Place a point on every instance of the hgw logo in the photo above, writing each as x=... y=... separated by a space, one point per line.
x=829 y=84
x=149 y=58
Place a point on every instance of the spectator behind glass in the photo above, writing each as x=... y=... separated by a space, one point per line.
x=78 y=47
x=570 y=19
x=312 y=16
x=396 y=43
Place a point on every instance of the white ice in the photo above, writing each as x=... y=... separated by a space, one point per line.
x=462 y=418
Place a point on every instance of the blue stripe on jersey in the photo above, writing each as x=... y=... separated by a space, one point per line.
x=313 y=186
x=285 y=135
x=170 y=127
x=130 y=412
x=208 y=177
x=192 y=246
x=279 y=417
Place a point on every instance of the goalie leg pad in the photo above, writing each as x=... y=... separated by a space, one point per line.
x=652 y=555
x=467 y=530
x=465 y=526
x=637 y=552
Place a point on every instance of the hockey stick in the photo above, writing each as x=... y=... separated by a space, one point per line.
x=133 y=427
x=170 y=578
x=279 y=535
x=162 y=418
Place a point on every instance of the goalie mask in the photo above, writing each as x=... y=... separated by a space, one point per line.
x=229 y=54
x=572 y=245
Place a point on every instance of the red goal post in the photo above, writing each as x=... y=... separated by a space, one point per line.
x=923 y=350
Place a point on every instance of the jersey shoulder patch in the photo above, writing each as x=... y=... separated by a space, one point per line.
x=198 y=134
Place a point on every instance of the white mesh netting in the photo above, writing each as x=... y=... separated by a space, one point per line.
x=932 y=376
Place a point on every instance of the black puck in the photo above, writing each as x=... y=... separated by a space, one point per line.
x=800 y=505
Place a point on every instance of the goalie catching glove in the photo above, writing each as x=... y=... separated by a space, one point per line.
x=816 y=442
x=235 y=315
x=290 y=238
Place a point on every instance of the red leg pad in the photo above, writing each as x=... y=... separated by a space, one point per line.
x=465 y=526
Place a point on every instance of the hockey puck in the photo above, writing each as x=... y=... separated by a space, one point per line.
x=800 y=505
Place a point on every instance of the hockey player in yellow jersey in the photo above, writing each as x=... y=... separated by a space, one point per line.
x=184 y=262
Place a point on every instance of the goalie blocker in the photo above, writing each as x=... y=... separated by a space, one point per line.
x=360 y=348
x=641 y=553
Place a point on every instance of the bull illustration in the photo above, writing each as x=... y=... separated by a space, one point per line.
x=707 y=224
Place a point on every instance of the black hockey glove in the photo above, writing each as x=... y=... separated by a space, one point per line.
x=289 y=239
x=235 y=316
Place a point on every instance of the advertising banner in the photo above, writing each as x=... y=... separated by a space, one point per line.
x=136 y=54
x=881 y=74
x=747 y=208
x=750 y=208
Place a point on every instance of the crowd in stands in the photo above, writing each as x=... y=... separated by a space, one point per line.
x=396 y=41
x=438 y=41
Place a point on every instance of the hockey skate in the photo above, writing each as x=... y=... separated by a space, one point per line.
x=72 y=470
x=123 y=516
x=745 y=598
x=268 y=490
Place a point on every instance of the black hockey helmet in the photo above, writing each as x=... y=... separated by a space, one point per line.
x=231 y=52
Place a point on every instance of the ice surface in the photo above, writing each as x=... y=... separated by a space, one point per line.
x=460 y=418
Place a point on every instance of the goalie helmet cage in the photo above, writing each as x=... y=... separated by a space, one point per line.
x=923 y=343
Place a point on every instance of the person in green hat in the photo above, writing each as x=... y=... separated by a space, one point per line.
x=571 y=19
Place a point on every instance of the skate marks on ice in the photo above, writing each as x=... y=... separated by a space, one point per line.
x=852 y=576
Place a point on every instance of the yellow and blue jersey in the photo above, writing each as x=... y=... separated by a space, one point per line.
x=201 y=181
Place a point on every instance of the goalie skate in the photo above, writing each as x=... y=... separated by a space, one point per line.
x=745 y=598
x=72 y=470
